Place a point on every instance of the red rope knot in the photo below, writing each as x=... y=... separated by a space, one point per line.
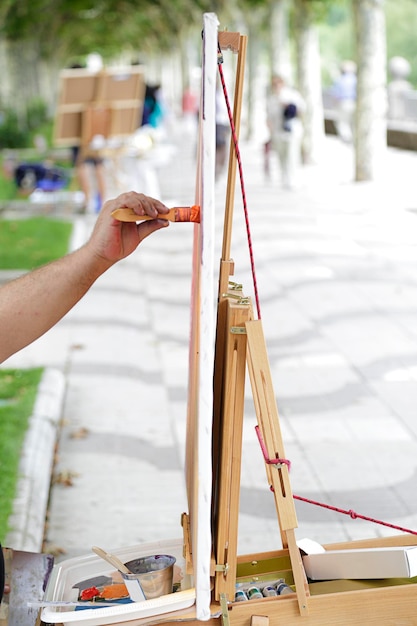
x=352 y=514
x=267 y=459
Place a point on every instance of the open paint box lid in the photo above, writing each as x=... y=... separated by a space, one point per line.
x=66 y=577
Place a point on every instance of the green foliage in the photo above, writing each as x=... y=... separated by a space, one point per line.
x=18 y=390
x=16 y=131
x=337 y=41
x=401 y=18
x=12 y=135
x=36 y=114
x=78 y=27
x=8 y=189
x=29 y=243
x=337 y=35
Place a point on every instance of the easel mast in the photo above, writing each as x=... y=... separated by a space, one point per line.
x=240 y=340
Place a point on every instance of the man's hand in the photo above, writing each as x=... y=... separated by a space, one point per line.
x=34 y=302
x=112 y=239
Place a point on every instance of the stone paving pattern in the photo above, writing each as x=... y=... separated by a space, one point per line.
x=336 y=267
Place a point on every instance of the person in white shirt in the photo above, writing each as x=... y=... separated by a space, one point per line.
x=285 y=107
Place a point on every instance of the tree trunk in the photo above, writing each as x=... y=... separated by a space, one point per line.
x=279 y=46
x=24 y=64
x=309 y=79
x=252 y=80
x=5 y=83
x=371 y=104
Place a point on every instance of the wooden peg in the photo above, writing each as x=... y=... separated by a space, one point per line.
x=229 y=41
x=259 y=620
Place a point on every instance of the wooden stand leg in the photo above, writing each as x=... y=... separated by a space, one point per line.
x=227 y=497
x=268 y=421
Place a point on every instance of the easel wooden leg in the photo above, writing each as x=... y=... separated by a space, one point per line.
x=268 y=421
x=230 y=446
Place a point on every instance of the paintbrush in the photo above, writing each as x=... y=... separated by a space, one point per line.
x=176 y=214
x=45 y=603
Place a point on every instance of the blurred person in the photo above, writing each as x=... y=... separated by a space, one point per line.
x=153 y=112
x=89 y=165
x=398 y=88
x=222 y=131
x=190 y=109
x=285 y=108
x=343 y=91
x=91 y=177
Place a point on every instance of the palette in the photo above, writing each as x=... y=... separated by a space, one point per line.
x=73 y=576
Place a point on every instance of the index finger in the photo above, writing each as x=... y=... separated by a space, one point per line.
x=140 y=204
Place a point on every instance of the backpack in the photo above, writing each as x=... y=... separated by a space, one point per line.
x=289 y=112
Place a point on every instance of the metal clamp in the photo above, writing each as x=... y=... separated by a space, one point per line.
x=225 y=612
x=222 y=568
x=235 y=296
x=238 y=330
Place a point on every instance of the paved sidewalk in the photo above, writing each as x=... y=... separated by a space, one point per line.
x=336 y=266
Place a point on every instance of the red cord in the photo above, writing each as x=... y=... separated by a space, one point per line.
x=242 y=187
x=267 y=459
x=350 y=512
x=355 y=515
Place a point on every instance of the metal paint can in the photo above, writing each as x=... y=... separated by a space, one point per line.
x=153 y=574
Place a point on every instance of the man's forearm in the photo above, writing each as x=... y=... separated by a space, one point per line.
x=32 y=304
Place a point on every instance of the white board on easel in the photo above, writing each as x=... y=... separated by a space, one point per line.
x=202 y=334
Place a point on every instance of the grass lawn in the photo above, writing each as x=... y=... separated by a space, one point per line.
x=18 y=390
x=24 y=244
x=28 y=243
x=7 y=189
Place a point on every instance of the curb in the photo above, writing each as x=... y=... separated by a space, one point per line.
x=28 y=518
x=27 y=521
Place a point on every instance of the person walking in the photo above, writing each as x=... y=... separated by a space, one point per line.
x=285 y=107
x=343 y=92
x=222 y=132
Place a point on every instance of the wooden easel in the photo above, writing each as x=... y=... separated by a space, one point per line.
x=107 y=103
x=239 y=343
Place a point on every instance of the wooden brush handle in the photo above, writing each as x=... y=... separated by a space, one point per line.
x=176 y=214
x=128 y=215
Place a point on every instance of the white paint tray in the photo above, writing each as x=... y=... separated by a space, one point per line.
x=70 y=572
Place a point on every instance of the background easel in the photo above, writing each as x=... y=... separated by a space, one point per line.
x=107 y=103
x=106 y=106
